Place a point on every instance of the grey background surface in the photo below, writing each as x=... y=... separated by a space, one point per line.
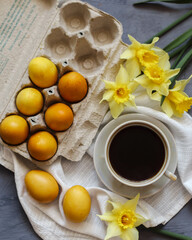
x=142 y=22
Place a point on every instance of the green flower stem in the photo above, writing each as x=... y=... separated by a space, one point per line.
x=183 y=50
x=168 y=1
x=180 y=49
x=175 y=23
x=171 y=234
x=179 y=40
x=182 y=65
x=178 y=59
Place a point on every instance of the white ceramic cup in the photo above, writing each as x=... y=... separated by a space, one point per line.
x=162 y=171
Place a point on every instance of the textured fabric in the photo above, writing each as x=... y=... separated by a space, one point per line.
x=49 y=221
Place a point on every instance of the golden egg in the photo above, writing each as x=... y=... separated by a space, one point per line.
x=42 y=145
x=14 y=129
x=59 y=117
x=29 y=101
x=72 y=87
x=77 y=204
x=42 y=186
x=42 y=72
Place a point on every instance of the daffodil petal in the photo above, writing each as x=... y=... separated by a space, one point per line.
x=132 y=99
x=150 y=92
x=113 y=230
x=128 y=54
x=185 y=94
x=132 y=204
x=164 y=88
x=116 y=205
x=152 y=87
x=115 y=108
x=133 y=86
x=155 y=39
x=181 y=84
x=151 y=45
x=175 y=112
x=122 y=76
x=130 y=234
x=109 y=84
x=140 y=220
x=134 y=42
x=107 y=216
x=133 y=68
x=125 y=236
x=131 y=102
x=167 y=107
x=171 y=73
x=154 y=95
x=143 y=80
x=164 y=62
x=159 y=51
x=180 y=101
x=107 y=95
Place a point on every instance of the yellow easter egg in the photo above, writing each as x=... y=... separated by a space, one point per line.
x=42 y=186
x=77 y=204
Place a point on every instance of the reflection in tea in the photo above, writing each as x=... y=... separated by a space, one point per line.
x=136 y=153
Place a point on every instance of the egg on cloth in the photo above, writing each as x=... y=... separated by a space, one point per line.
x=76 y=204
x=42 y=186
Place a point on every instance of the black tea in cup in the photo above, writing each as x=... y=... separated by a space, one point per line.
x=136 y=152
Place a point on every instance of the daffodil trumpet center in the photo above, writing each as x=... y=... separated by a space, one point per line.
x=155 y=74
x=127 y=219
x=121 y=93
x=147 y=57
x=181 y=102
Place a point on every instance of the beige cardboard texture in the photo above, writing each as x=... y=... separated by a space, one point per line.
x=76 y=37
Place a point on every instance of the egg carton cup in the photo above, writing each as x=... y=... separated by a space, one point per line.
x=82 y=39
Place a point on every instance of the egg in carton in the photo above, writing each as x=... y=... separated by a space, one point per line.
x=85 y=40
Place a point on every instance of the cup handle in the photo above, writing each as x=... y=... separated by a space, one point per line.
x=170 y=175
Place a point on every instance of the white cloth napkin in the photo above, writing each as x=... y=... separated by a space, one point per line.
x=49 y=221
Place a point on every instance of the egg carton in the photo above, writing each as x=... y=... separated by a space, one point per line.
x=82 y=39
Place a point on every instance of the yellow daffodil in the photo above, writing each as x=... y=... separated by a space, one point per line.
x=123 y=220
x=177 y=101
x=143 y=55
x=157 y=79
x=118 y=93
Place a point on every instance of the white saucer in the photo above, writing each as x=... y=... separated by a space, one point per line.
x=106 y=177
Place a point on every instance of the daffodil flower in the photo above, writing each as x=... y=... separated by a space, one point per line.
x=143 y=55
x=177 y=101
x=157 y=78
x=123 y=220
x=118 y=93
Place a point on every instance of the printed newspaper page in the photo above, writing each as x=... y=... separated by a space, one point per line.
x=23 y=24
